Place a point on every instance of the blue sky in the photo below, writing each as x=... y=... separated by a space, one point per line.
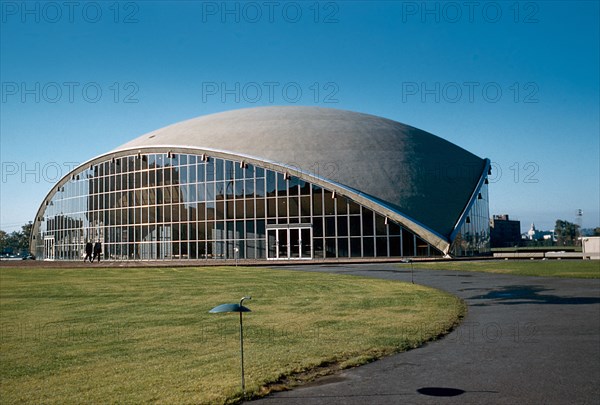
x=516 y=82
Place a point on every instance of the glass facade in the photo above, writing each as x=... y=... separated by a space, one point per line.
x=164 y=206
x=473 y=237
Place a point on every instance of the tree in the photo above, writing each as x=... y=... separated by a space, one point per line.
x=597 y=231
x=17 y=241
x=3 y=242
x=566 y=233
x=26 y=235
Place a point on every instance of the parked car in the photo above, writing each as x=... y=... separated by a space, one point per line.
x=28 y=256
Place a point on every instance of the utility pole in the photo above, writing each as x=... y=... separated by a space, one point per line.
x=579 y=222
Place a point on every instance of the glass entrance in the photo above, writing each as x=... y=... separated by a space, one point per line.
x=289 y=243
x=49 y=248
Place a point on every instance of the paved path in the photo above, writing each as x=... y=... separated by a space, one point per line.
x=525 y=340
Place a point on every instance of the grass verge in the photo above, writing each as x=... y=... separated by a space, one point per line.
x=145 y=335
x=539 y=268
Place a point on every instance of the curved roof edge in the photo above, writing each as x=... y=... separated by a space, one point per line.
x=432 y=237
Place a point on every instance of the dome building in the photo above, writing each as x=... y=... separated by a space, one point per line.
x=272 y=183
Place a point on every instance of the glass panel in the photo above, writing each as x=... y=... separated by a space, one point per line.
x=329 y=203
x=393 y=228
x=380 y=225
x=408 y=245
x=342 y=226
x=293 y=186
x=343 y=247
x=381 y=246
x=229 y=172
x=318 y=227
x=249 y=203
x=330 y=247
x=319 y=250
x=250 y=234
x=220 y=210
x=260 y=228
x=239 y=189
x=200 y=172
x=395 y=246
x=210 y=191
x=260 y=187
x=355 y=250
x=422 y=247
x=183 y=177
x=240 y=209
x=271 y=210
x=283 y=244
x=305 y=206
x=248 y=188
x=201 y=190
x=201 y=230
x=210 y=170
x=270 y=184
x=260 y=208
x=330 y=226
x=367 y=222
x=219 y=169
x=219 y=190
x=282 y=207
x=304 y=187
x=306 y=243
x=193 y=173
x=239 y=171
x=342 y=206
x=229 y=209
x=293 y=206
x=281 y=185
x=295 y=244
x=355 y=226
x=201 y=211
x=249 y=171
x=272 y=243
x=317 y=200
x=368 y=247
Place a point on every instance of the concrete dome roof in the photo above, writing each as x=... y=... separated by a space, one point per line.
x=419 y=175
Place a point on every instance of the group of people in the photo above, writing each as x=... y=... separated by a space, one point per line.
x=96 y=249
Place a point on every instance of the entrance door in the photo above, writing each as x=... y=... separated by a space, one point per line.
x=289 y=243
x=273 y=244
x=295 y=243
x=49 y=248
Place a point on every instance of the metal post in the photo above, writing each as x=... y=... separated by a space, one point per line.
x=236 y=308
x=242 y=354
x=242 y=346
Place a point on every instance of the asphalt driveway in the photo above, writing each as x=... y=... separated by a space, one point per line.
x=527 y=340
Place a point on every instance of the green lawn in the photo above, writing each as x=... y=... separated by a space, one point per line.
x=544 y=268
x=144 y=334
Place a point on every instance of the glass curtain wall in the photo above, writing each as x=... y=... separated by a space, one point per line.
x=473 y=238
x=184 y=206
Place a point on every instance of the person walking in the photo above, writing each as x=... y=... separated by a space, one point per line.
x=89 y=248
x=97 y=251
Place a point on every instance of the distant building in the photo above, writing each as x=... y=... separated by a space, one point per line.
x=537 y=235
x=504 y=232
